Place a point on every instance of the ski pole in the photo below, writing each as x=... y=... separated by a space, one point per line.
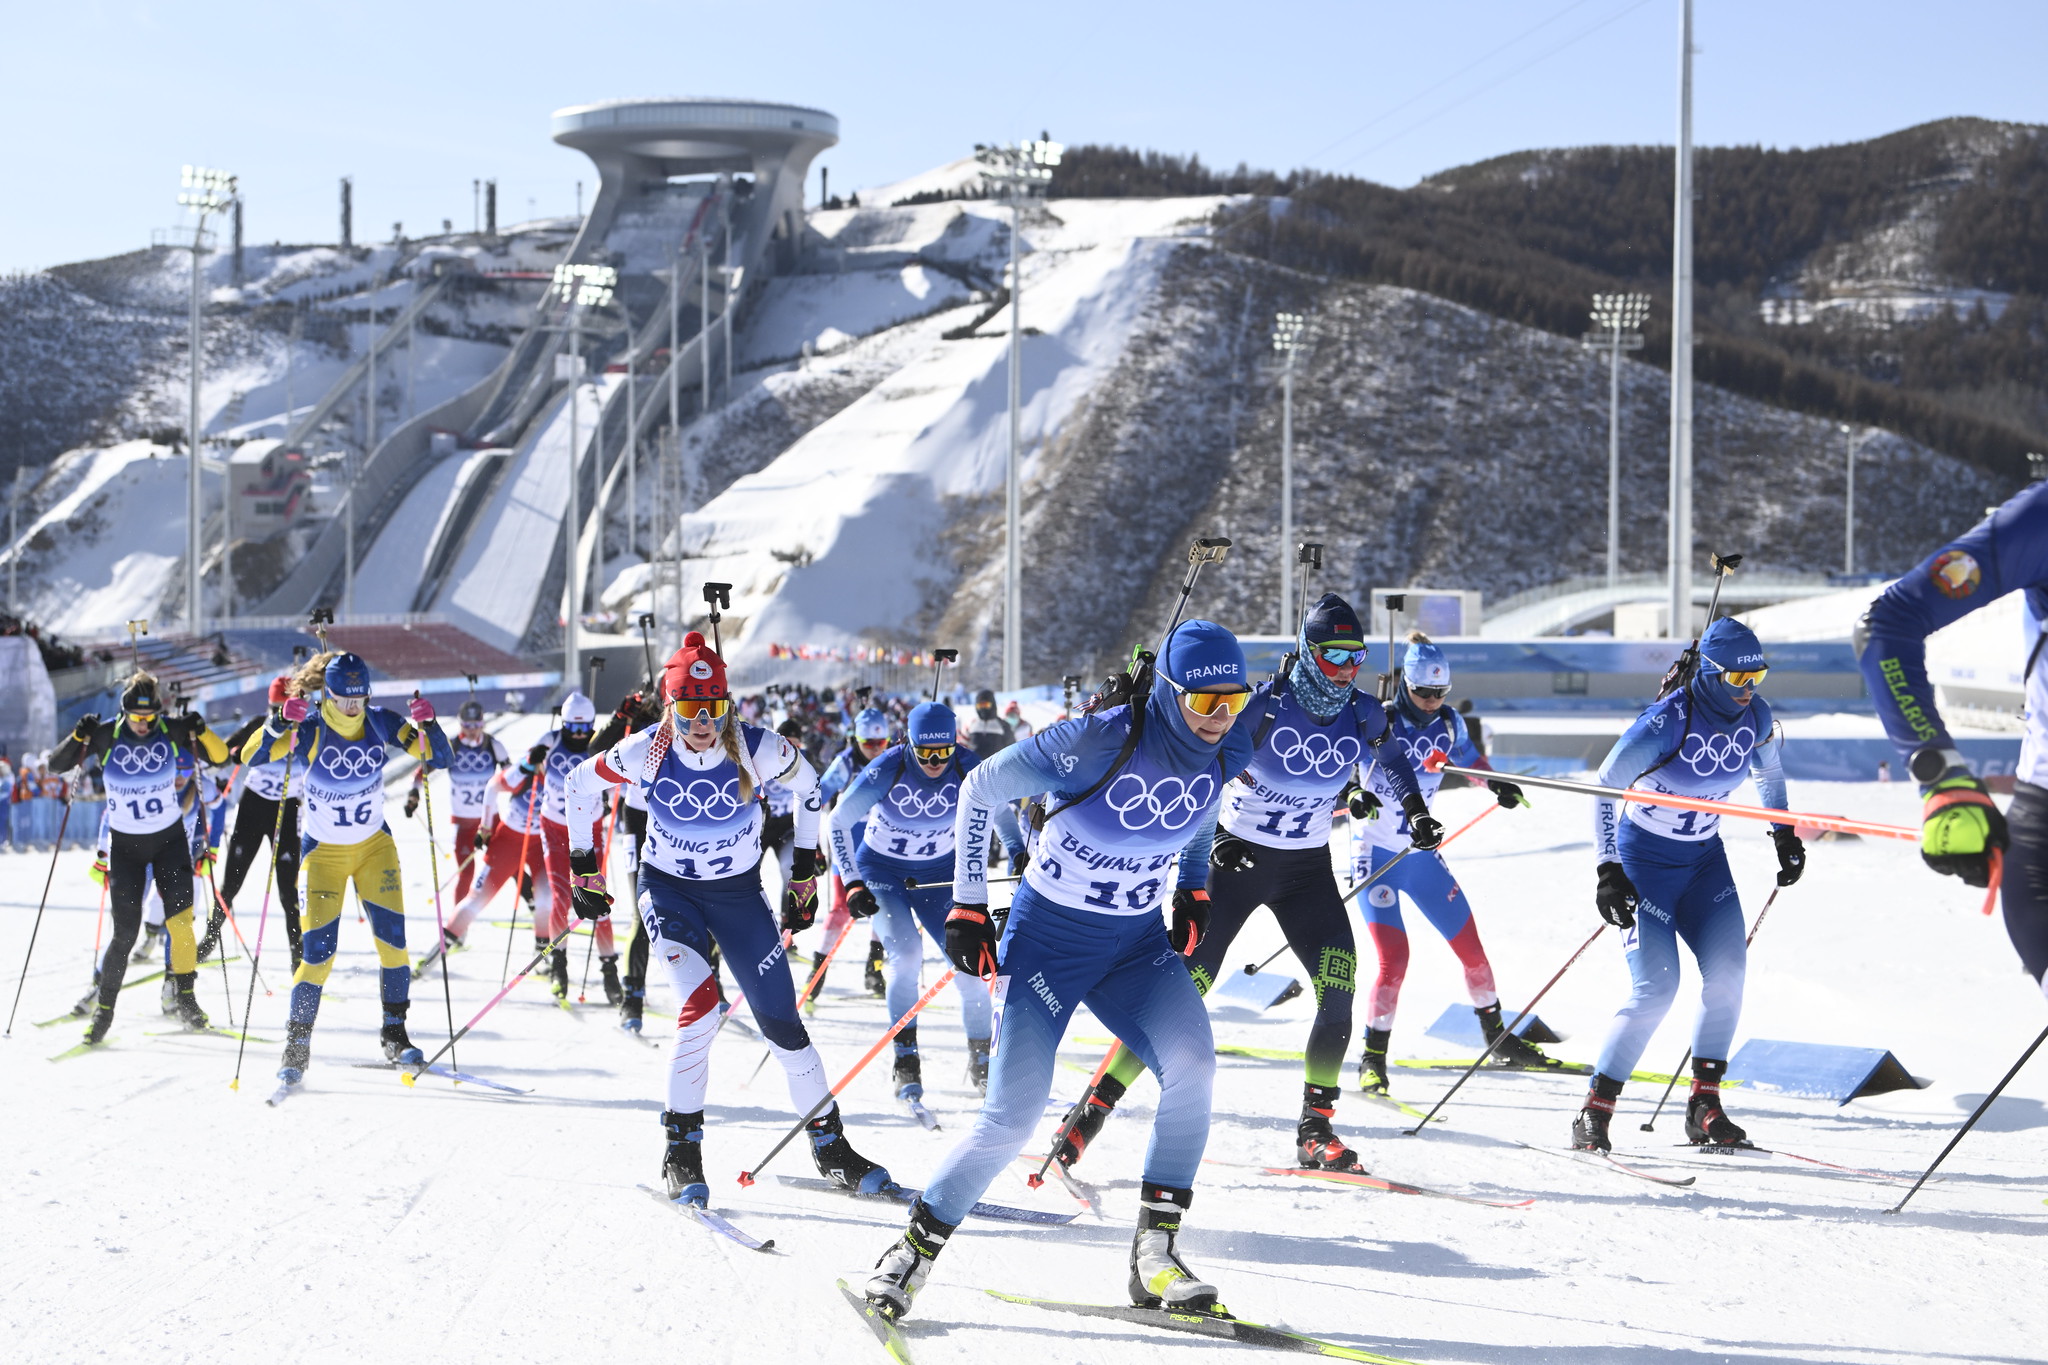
x=38 y=927
x=263 y=918
x=604 y=861
x=747 y=1177
x=817 y=979
x=1073 y=1119
x=408 y=1077
x=228 y=914
x=434 y=862
x=1481 y=1060
x=1651 y=1126
x=512 y=928
x=227 y=985
x=913 y=884
x=1971 y=1122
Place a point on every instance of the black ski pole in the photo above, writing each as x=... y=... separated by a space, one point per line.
x=717 y=595
x=1651 y=1126
x=26 y=957
x=1504 y=1033
x=940 y=658
x=276 y=848
x=1971 y=1122
x=1395 y=603
x=647 y=646
x=434 y=863
x=410 y=1076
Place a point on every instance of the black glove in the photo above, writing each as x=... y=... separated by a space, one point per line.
x=1507 y=793
x=535 y=756
x=1020 y=860
x=861 y=902
x=1616 y=897
x=800 y=894
x=1362 y=804
x=1791 y=854
x=82 y=732
x=1233 y=854
x=586 y=885
x=1190 y=919
x=628 y=709
x=412 y=803
x=482 y=838
x=970 y=939
x=1425 y=831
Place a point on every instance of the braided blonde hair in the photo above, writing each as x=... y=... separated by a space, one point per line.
x=312 y=674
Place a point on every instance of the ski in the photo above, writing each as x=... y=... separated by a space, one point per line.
x=713 y=1222
x=1080 y=1189
x=1208 y=1324
x=1607 y=1159
x=1754 y=1150
x=213 y=1029
x=880 y=1324
x=284 y=1091
x=128 y=984
x=433 y=955
x=1390 y=1102
x=905 y=1194
x=1374 y=1182
x=1555 y=1068
x=82 y=1048
x=918 y=1111
x=459 y=1077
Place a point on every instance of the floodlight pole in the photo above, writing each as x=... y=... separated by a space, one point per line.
x=572 y=585
x=1679 y=556
x=1013 y=560
x=1848 y=499
x=1287 y=330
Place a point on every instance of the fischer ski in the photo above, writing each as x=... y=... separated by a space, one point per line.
x=1374 y=1182
x=129 y=984
x=713 y=1222
x=880 y=1324
x=1212 y=1324
x=213 y=1029
x=905 y=1194
x=1608 y=1159
x=80 y=1049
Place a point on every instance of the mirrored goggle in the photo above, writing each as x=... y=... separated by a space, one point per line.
x=938 y=753
x=875 y=745
x=689 y=708
x=1748 y=677
x=1432 y=693
x=1339 y=656
x=577 y=727
x=1209 y=703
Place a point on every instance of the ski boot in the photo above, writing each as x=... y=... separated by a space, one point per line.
x=1316 y=1144
x=1159 y=1278
x=102 y=1020
x=814 y=984
x=558 y=973
x=1706 y=1124
x=838 y=1162
x=210 y=944
x=398 y=1049
x=298 y=1051
x=682 y=1166
x=1372 y=1063
x=632 y=1003
x=977 y=1065
x=83 y=1009
x=185 y=1005
x=151 y=947
x=1589 y=1129
x=1094 y=1113
x=1515 y=1053
x=909 y=1072
x=905 y=1266
x=167 y=995
x=614 y=993
x=871 y=974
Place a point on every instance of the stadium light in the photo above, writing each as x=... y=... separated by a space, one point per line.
x=1617 y=327
x=1016 y=172
x=206 y=190
x=1288 y=339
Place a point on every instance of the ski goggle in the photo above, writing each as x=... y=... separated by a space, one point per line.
x=1209 y=703
x=934 y=754
x=873 y=746
x=1748 y=677
x=712 y=708
x=1339 y=656
x=1431 y=693
x=577 y=727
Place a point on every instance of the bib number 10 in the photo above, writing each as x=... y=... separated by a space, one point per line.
x=1139 y=897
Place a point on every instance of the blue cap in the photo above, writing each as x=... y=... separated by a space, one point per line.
x=1202 y=654
x=933 y=725
x=1728 y=646
x=1332 y=621
x=348 y=676
x=1424 y=665
x=870 y=724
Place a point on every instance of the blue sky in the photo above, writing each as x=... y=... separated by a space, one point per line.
x=105 y=99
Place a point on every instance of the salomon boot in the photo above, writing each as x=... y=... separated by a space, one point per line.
x=977 y=1064
x=614 y=993
x=1082 y=1126
x=1372 y=1064
x=1159 y=1278
x=398 y=1049
x=1705 y=1121
x=836 y=1159
x=1316 y=1144
x=1513 y=1052
x=633 y=1003
x=1589 y=1129
x=904 y=1267
x=682 y=1165
x=185 y=1005
x=871 y=975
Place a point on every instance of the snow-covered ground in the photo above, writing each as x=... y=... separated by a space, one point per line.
x=152 y=1213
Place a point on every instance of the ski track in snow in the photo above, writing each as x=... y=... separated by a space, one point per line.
x=152 y=1214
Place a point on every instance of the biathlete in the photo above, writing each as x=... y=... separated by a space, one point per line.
x=553 y=759
x=343 y=747
x=1311 y=731
x=477 y=755
x=870 y=738
x=894 y=826
x=1423 y=727
x=1663 y=873
x=1131 y=787
x=257 y=819
x=508 y=837
x=700 y=883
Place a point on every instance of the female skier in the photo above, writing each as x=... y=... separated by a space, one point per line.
x=477 y=757
x=140 y=754
x=894 y=825
x=509 y=840
x=257 y=818
x=870 y=738
x=1424 y=726
x=701 y=882
x=1132 y=788
x=554 y=758
x=1310 y=733
x=342 y=748
x=1664 y=874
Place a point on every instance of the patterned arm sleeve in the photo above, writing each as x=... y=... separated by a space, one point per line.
x=854 y=804
x=1639 y=749
x=1767 y=762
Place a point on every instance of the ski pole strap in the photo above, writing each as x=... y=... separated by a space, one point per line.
x=492 y=1003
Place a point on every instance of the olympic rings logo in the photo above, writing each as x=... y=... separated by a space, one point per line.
x=139 y=760
x=468 y=760
x=346 y=761
x=702 y=799
x=922 y=805
x=1171 y=803
x=1713 y=755
x=1319 y=754
x=1421 y=748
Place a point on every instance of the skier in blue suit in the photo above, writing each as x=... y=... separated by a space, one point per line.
x=1664 y=874
x=1130 y=790
x=1961 y=830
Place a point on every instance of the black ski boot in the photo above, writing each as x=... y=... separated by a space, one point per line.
x=1316 y=1144
x=558 y=973
x=398 y=1049
x=903 y=1268
x=102 y=1020
x=1589 y=1129
x=871 y=975
x=633 y=1003
x=298 y=1051
x=614 y=993
x=814 y=984
x=1705 y=1121
x=151 y=947
x=682 y=1166
x=1515 y=1053
x=185 y=1005
x=1372 y=1063
x=1159 y=1278
x=977 y=1065
x=909 y=1073
x=838 y=1162
x=210 y=944
x=1094 y=1112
